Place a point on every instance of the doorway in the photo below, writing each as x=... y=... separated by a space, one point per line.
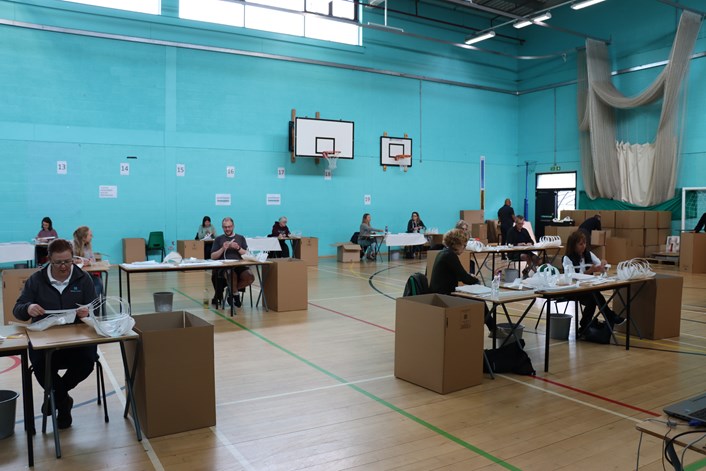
x=554 y=192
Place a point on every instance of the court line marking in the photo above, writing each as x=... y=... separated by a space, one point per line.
x=232 y=449
x=146 y=445
x=305 y=391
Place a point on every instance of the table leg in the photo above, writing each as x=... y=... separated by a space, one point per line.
x=129 y=379
x=546 y=336
x=627 y=327
x=49 y=394
x=127 y=280
x=262 y=290
x=28 y=404
x=120 y=282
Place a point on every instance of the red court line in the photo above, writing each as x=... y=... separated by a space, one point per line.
x=354 y=318
x=603 y=398
x=17 y=361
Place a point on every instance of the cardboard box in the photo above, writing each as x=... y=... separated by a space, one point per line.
x=435 y=239
x=493 y=229
x=656 y=310
x=692 y=252
x=439 y=342
x=13 y=280
x=598 y=238
x=175 y=387
x=285 y=284
x=652 y=249
x=479 y=231
x=598 y=251
x=134 y=250
x=190 y=248
x=307 y=249
x=551 y=230
x=630 y=219
x=465 y=259
x=607 y=219
x=347 y=252
x=664 y=219
x=473 y=216
x=651 y=220
x=636 y=236
x=577 y=215
x=564 y=232
x=618 y=249
x=652 y=237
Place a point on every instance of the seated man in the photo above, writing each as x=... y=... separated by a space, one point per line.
x=518 y=236
x=229 y=246
x=59 y=285
x=281 y=231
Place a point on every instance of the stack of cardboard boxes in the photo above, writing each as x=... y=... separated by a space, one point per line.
x=638 y=234
x=476 y=223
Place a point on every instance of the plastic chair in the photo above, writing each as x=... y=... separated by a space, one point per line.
x=155 y=242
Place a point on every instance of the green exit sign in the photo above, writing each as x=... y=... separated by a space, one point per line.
x=554 y=168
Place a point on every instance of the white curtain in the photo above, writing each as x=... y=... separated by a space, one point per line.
x=635 y=162
x=597 y=101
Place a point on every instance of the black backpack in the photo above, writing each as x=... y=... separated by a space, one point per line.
x=354 y=237
x=510 y=358
x=416 y=284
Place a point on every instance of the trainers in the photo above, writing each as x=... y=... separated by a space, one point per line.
x=64 y=419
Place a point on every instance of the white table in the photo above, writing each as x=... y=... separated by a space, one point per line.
x=403 y=239
x=264 y=244
x=16 y=252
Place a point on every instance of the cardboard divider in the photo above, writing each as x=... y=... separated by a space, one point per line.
x=13 y=281
x=285 y=284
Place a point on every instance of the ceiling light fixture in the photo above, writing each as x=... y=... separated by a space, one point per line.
x=584 y=4
x=480 y=37
x=528 y=21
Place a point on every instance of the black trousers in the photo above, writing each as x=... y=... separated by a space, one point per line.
x=78 y=363
x=590 y=302
x=700 y=225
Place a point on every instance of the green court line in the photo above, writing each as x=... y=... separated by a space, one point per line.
x=697 y=465
x=368 y=394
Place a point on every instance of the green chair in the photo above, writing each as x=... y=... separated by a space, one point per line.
x=155 y=242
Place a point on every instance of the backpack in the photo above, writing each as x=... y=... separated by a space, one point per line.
x=598 y=332
x=416 y=284
x=510 y=358
x=354 y=237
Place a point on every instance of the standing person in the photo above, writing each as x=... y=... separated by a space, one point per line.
x=365 y=240
x=519 y=236
x=230 y=246
x=506 y=216
x=206 y=230
x=589 y=225
x=281 y=231
x=83 y=248
x=584 y=261
x=59 y=285
x=47 y=231
x=448 y=271
x=415 y=224
x=700 y=225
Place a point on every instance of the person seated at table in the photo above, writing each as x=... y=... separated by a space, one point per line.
x=585 y=261
x=230 y=246
x=45 y=235
x=47 y=231
x=206 y=230
x=518 y=236
x=281 y=231
x=60 y=285
x=415 y=224
x=366 y=240
x=448 y=271
x=83 y=249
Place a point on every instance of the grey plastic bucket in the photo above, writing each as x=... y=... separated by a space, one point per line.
x=560 y=326
x=8 y=403
x=163 y=301
x=511 y=275
x=503 y=331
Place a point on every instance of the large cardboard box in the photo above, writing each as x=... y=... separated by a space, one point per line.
x=473 y=216
x=607 y=218
x=285 y=284
x=630 y=219
x=656 y=309
x=652 y=249
x=347 y=252
x=651 y=220
x=598 y=238
x=652 y=237
x=692 y=252
x=13 y=280
x=134 y=250
x=465 y=259
x=564 y=232
x=493 y=230
x=190 y=248
x=598 y=251
x=307 y=249
x=662 y=235
x=439 y=342
x=479 y=231
x=577 y=215
x=175 y=387
x=636 y=236
x=664 y=219
x=618 y=249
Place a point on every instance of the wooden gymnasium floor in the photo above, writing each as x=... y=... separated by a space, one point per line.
x=315 y=390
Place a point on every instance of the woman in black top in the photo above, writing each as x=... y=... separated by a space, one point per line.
x=415 y=224
x=448 y=271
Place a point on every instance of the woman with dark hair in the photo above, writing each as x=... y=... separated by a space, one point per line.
x=585 y=261
x=415 y=224
x=47 y=231
x=206 y=230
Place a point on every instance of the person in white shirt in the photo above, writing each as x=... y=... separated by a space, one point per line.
x=585 y=261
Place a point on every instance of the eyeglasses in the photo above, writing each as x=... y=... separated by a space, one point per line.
x=62 y=263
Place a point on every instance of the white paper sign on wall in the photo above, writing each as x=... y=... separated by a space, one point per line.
x=180 y=170
x=230 y=172
x=223 y=199
x=61 y=167
x=274 y=200
x=280 y=172
x=367 y=199
x=107 y=191
x=327 y=174
x=124 y=168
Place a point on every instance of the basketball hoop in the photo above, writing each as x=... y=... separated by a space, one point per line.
x=403 y=160
x=331 y=157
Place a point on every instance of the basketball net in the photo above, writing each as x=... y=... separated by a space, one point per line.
x=403 y=160
x=331 y=157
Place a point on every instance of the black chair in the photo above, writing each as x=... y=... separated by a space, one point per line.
x=155 y=242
